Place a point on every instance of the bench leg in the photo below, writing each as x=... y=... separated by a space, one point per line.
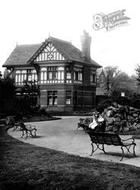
x=128 y=149
x=97 y=147
x=134 y=153
x=122 y=154
x=93 y=150
x=103 y=148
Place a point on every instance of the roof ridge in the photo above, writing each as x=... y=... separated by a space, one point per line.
x=53 y=38
x=24 y=45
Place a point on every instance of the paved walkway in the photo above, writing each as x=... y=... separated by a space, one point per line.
x=63 y=135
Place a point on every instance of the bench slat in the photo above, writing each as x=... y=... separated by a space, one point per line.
x=105 y=138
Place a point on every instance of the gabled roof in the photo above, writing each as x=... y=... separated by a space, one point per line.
x=21 y=55
x=26 y=54
x=100 y=72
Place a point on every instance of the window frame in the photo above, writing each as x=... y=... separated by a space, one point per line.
x=52 y=96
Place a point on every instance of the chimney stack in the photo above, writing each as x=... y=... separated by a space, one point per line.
x=85 y=43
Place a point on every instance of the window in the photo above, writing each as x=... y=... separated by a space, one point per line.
x=92 y=77
x=52 y=75
x=43 y=76
x=20 y=77
x=78 y=75
x=52 y=98
x=25 y=75
x=60 y=74
x=68 y=75
x=32 y=75
x=68 y=97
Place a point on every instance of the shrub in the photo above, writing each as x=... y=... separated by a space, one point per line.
x=104 y=104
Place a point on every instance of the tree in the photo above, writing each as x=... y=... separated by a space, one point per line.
x=30 y=92
x=111 y=75
x=138 y=74
x=118 y=81
x=7 y=93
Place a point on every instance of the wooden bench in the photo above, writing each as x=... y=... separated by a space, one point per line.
x=100 y=139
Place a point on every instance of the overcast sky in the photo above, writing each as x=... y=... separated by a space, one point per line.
x=31 y=21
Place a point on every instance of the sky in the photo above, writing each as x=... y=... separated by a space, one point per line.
x=32 y=21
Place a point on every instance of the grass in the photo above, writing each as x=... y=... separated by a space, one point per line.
x=24 y=166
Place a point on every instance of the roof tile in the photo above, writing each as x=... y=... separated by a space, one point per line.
x=21 y=54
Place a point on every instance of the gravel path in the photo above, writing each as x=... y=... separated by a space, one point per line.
x=63 y=135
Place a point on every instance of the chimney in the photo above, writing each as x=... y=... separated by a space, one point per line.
x=85 y=45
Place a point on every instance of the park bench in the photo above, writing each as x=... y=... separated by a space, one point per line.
x=98 y=140
x=28 y=130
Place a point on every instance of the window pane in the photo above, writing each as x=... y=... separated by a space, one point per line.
x=18 y=72
x=50 y=75
x=43 y=69
x=80 y=76
x=68 y=100
x=62 y=75
x=68 y=97
x=92 y=77
x=60 y=68
x=50 y=101
x=24 y=71
x=55 y=101
x=68 y=76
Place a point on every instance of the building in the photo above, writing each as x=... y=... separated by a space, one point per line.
x=101 y=77
x=65 y=75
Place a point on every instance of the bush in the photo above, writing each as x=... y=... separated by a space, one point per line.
x=122 y=100
x=104 y=104
x=135 y=103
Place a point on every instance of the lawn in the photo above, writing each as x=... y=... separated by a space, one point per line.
x=24 y=166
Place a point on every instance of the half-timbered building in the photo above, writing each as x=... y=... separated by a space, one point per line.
x=65 y=75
